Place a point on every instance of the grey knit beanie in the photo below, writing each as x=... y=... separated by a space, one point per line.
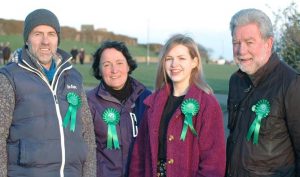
x=40 y=17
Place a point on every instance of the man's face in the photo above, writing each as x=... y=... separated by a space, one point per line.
x=42 y=42
x=250 y=50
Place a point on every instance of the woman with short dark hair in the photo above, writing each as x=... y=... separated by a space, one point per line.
x=117 y=107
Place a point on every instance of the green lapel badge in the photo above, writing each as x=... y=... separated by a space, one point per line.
x=111 y=117
x=189 y=108
x=262 y=110
x=74 y=103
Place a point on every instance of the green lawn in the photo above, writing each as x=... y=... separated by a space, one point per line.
x=16 y=41
x=217 y=76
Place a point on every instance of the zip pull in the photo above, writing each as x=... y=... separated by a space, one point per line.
x=55 y=99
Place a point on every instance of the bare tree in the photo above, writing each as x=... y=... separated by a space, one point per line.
x=204 y=53
x=287 y=28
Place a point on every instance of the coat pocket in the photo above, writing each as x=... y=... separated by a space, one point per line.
x=34 y=152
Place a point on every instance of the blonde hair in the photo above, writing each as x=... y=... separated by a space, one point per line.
x=197 y=76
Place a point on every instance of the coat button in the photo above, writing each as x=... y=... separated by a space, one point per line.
x=171 y=138
x=171 y=161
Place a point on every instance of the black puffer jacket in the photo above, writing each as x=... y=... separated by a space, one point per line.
x=277 y=153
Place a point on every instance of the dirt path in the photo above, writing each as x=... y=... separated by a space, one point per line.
x=223 y=101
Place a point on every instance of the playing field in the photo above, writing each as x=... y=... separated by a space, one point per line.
x=217 y=76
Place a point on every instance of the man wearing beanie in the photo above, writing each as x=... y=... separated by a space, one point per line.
x=46 y=128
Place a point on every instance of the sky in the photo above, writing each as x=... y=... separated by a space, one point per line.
x=151 y=21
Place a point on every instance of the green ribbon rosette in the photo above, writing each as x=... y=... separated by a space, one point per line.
x=189 y=108
x=111 y=117
x=261 y=109
x=74 y=103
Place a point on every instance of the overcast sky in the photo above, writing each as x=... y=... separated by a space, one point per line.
x=151 y=21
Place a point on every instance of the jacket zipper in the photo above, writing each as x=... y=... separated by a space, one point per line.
x=61 y=130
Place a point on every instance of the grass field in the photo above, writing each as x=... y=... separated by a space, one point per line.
x=216 y=75
x=16 y=41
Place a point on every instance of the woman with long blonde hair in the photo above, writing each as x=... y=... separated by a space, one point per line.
x=182 y=133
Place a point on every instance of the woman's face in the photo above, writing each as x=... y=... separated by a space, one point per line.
x=113 y=68
x=179 y=65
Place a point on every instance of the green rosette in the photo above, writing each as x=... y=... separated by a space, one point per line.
x=111 y=117
x=189 y=108
x=262 y=110
x=74 y=103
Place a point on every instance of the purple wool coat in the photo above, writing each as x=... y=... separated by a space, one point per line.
x=202 y=156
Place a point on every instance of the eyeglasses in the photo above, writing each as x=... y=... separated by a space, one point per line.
x=134 y=124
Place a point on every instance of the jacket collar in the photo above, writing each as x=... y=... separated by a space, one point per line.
x=137 y=88
x=264 y=71
x=27 y=59
x=163 y=93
